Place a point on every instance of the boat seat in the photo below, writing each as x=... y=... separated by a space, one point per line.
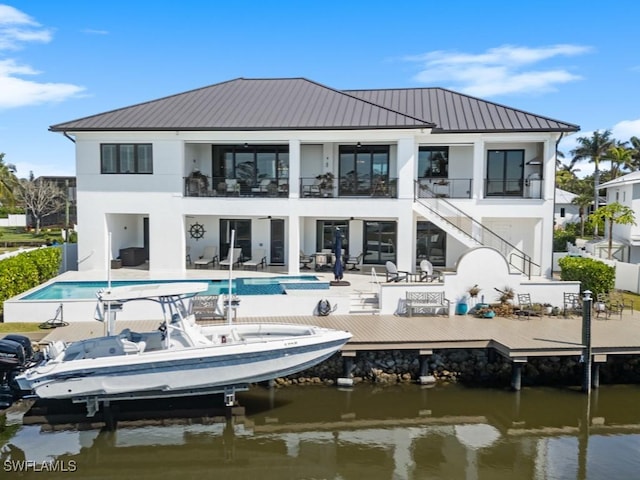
x=133 y=347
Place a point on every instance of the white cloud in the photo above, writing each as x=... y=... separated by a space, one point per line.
x=16 y=30
x=626 y=129
x=93 y=31
x=502 y=70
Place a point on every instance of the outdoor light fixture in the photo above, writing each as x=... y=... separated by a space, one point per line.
x=358 y=145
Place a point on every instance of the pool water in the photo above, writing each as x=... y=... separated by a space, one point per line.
x=240 y=286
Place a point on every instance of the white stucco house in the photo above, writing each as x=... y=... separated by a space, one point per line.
x=565 y=211
x=626 y=191
x=414 y=173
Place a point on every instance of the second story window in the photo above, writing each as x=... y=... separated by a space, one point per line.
x=433 y=162
x=130 y=158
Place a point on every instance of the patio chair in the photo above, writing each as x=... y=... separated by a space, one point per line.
x=526 y=306
x=209 y=256
x=355 y=262
x=262 y=187
x=395 y=275
x=427 y=273
x=305 y=260
x=233 y=257
x=206 y=307
x=572 y=304
x=233 y=187
x=608 y=305
x=258 y=259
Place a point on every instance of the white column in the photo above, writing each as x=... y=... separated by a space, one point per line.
x=406 y=237
x=406 y=167
x=477 y=174
x=293 y=258
x=294 y=168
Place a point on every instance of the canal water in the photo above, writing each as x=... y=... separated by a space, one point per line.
x=368 y=432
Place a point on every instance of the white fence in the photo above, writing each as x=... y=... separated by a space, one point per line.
x=14 y=221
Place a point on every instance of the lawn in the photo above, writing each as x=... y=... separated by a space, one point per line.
x=19 y=327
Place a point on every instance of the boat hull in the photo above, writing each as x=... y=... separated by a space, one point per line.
x=189 y=369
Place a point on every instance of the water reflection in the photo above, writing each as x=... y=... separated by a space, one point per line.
x=368 y=432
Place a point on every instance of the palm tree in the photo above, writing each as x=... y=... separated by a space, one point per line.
x=8 y=182
x=635 y=152
x=614 y=213
x=582 y=200
x=593 y=148
x=621 y=157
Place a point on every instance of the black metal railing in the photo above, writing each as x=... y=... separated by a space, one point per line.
x=473 y=229
x=444 y=187
x=205 y=186
x=529 y=188
x=346 y=186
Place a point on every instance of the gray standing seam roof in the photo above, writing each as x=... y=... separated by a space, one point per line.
x=300 y=104
x=455 y=112
x=251 y=104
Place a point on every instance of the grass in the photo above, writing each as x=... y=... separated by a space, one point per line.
x=20 y=234
x=19 y=327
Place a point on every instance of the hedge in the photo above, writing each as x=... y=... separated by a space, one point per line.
x=28 y=270
x=593 y=275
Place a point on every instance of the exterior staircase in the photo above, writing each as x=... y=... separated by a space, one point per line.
x=468 y=230
x=364 y=302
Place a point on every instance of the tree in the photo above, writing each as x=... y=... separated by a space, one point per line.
x=614 y=213
x=41 y=198
x=582 y=200
x=621 y=157
x=593 y=148
x=8 y=182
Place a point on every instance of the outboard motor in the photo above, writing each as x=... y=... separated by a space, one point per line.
x=16 y=353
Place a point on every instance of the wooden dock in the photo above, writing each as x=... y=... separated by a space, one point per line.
x=515 y=338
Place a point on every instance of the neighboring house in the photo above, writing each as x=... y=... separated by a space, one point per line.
x=626 y=190
x=406 y=174
x=565 y=211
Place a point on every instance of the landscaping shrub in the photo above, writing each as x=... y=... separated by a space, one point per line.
x=560 y=239
x=27 y=270
x=593 y=275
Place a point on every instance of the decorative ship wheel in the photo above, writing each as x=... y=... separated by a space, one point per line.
x=196 y=231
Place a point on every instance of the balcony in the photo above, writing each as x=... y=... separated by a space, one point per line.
x=444 y=187
x=324 y=186
x=518 y=188
x=200 y=185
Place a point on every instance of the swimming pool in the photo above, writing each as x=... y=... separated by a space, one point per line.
x=79 y=290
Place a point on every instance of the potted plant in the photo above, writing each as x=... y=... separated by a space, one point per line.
x=474 y=291
x=325 y=183
x=547 y=308
x=200 y=178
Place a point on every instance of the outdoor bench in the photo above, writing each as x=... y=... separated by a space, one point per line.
x=427 y=302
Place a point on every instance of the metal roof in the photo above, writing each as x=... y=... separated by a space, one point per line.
x=455 y=112
x=301 y=104
x=250 y=104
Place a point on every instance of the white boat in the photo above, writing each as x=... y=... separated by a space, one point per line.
x=179 y=358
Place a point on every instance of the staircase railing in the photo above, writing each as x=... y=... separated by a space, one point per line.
x=473 y=229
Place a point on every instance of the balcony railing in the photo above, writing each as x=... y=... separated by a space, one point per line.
x=529 y=188
x=341 y=187
x=444 y=187
x=204 y=186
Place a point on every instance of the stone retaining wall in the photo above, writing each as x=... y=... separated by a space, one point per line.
x=470 y=367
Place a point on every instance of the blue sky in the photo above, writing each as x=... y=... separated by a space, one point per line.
x=574 y=61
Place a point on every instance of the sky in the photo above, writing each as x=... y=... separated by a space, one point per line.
x=574 y=61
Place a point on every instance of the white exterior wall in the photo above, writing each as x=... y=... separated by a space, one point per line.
x=113 y=202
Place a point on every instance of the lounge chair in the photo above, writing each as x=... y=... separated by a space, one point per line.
x=209 y=256
x=262 y=187
x=258 y=259
x=233 y=257
x=395 y=275
x=355 y=262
